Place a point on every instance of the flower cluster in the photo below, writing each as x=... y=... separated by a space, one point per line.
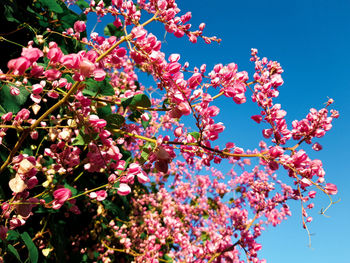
x=114 y=165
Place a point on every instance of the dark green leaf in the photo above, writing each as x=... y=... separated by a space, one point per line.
x=8 y=13
x=205 y=214
x=32 y=249
x=71 y=188
x=14 y=252
x=79 y=140
x=52 y=5
x=126 y=102
x=10 y=102
x=104 y=112
x=145 y=124
x=28 y=151
x=106 y=88
x=12 y=235
x=168 y=258
x=115 y=121
x=69 y=20
x=140 y=100
x=205 y=236
x=82 y=4
x=111 y=30
x=94 y=87
x=59 y=239
x=195 y=135
x=135 y=116
x=2 y=111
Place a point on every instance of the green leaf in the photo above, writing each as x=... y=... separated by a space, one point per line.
x=140 y=100
x=82 y=4
x=106 y=88
x=205 y=214
x=146 y=150
x=12 y=235
x=14 y=252
x=94 y=87
x=111 y=30
x=2 y=111
x=168 y=258
x=32 y=249
x=69 y=20
x=205 y=236
x=115 y=121
x=135 y=116
x=28 y=151
x=145 y=124
x=8 y=13
x=195 y=135
x=144 y=157
x=59 y=240
x=126 y=102
x=104 y=112
x=79 y=140
x=52 y=5
x=10 y=102
x=71 y=188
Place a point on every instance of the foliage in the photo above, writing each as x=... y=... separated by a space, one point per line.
x=97 y=168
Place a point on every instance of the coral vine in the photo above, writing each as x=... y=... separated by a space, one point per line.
x=90 y=142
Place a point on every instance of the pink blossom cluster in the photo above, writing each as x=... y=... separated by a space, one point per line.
x=106 y=128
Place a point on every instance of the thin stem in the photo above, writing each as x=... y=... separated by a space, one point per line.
x=125 y=38
x=4 y=39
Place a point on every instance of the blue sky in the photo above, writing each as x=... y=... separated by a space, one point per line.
x=311 y=40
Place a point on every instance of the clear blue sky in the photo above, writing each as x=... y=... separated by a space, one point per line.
x=311 y=40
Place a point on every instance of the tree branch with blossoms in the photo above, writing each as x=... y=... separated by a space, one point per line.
x=111 y=170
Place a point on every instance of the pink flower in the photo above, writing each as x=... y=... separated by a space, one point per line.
x=25 y=166
x=97 y=122
x=7 y=116
x=61 y=195
x=331 y=189
x=101 y=195
x=71 y=61
x=184 y=108
x=138 y=32
x=23 y=114
x=14 y=91
x=267 y=133
x=305 y=183
x=19 y=65
x=99 y=74
x=256 y=118
x=79 y=26
x=123 y=189
x=142 y=177
x=37 y=89
x=55 y=54
x=195 y=80
x=317 y=147
x=121 y=52
x=312 y=194
x=17 y=185
x=36 y=70
x=33 y=54
x=86 y=68
x=178 y=131
x=174 y=57
x=162 y=4
x=3 y=232
x=52 y=74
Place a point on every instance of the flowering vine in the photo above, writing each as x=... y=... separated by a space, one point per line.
x=115 y=174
